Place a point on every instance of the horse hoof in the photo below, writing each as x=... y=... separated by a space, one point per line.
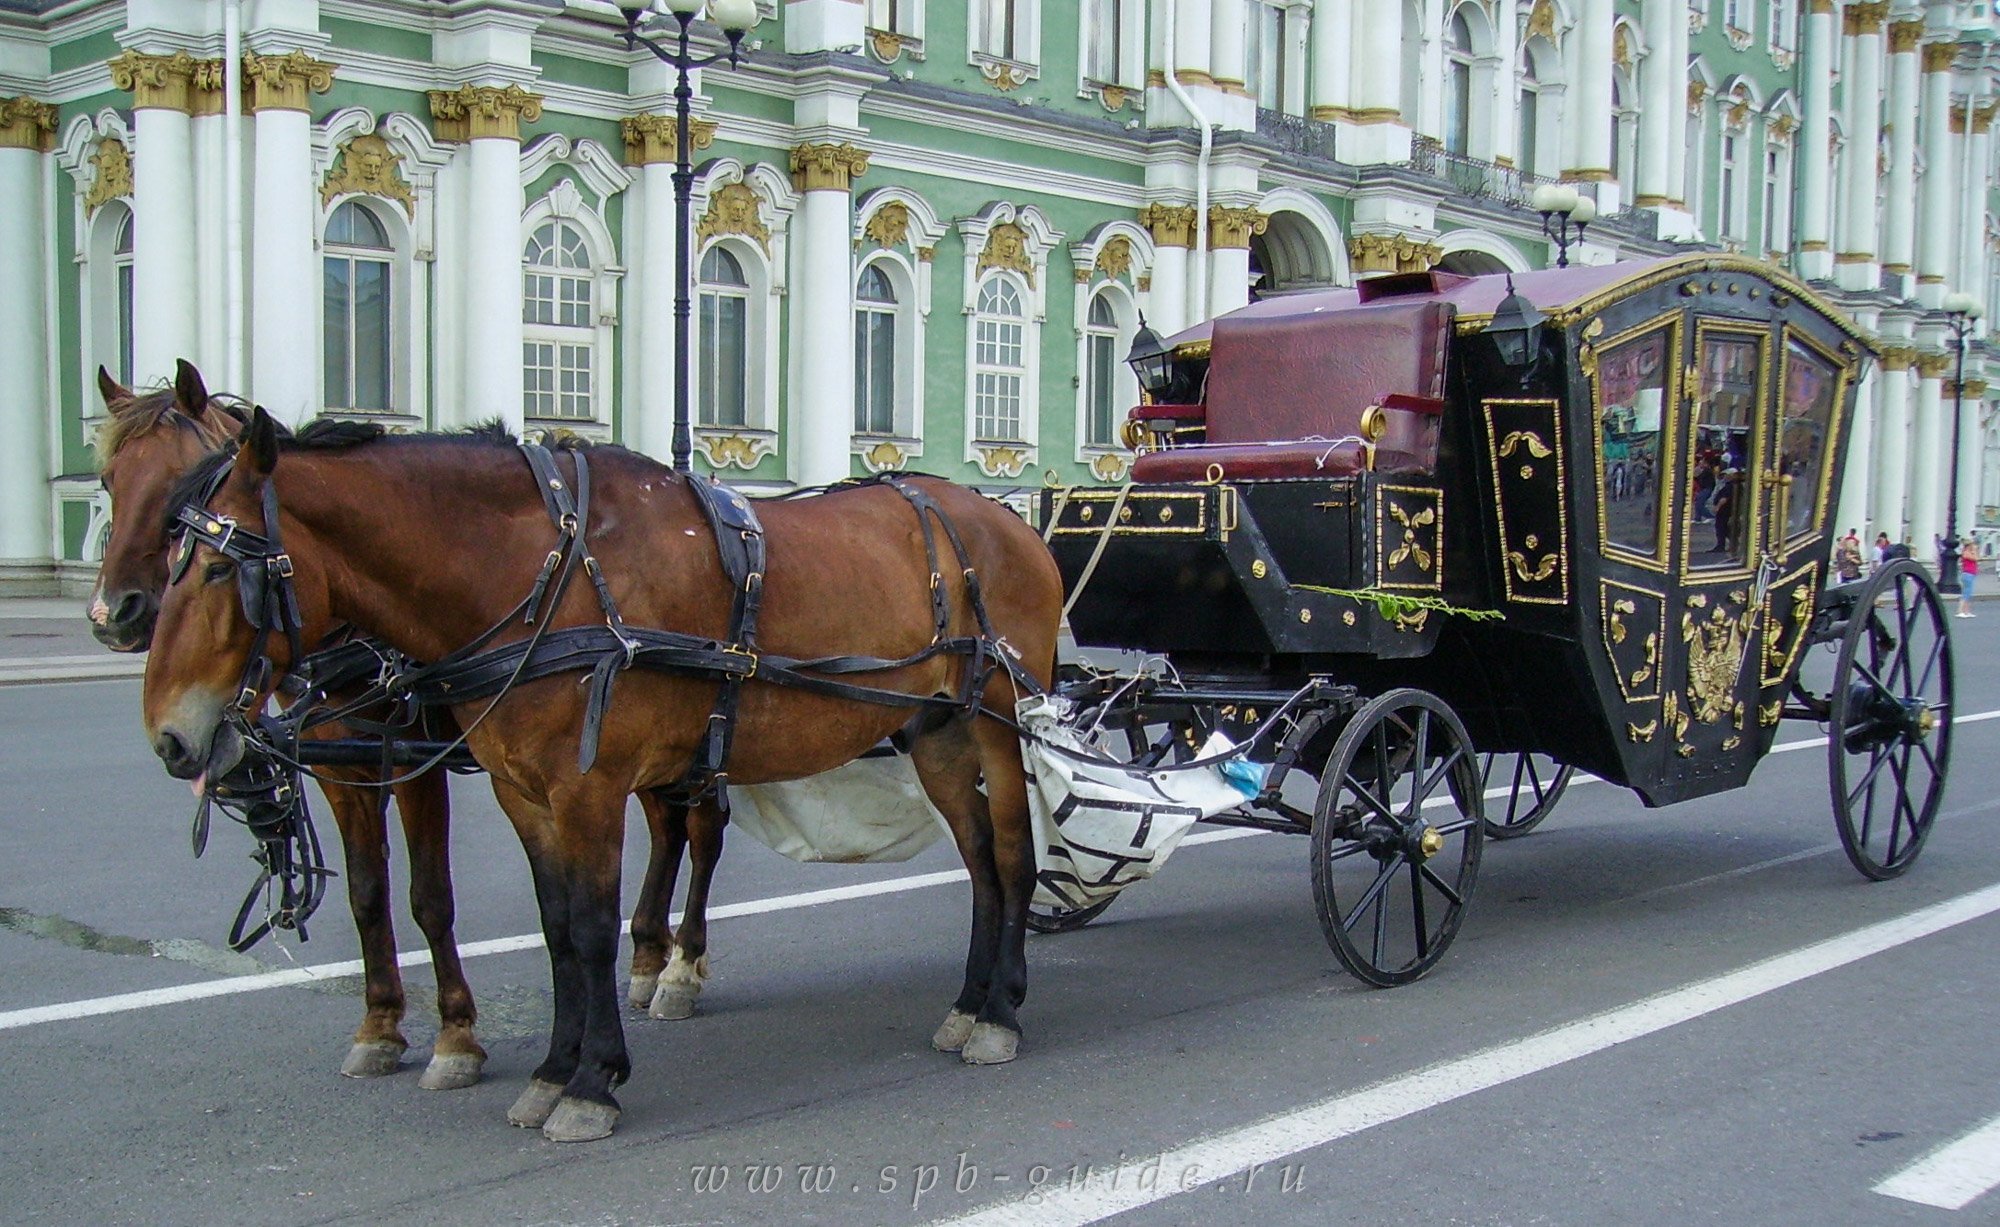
x=372 y=1060
x=952 y=1035
x=675 y=1001
x=451 y=1071
x=990 y=1044
x=532 y=1109
x=580 y=1120
x=642 y=990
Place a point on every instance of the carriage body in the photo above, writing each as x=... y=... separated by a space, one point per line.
x=1356 y=470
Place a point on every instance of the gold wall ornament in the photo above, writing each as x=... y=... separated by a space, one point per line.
x=1697 y=95
x=1007 y=247
x=1626 y=611
x=886 y=454
x=1531 y=490
x=1001 y=460
x=827 y=167
x=284 y=82
x=1528 y=439
x=1536 y=571
x=1109 y=466
x=1982 y=117
x=1007 y=77
x=926 y=254
x=886 y=44
x=1938 y=57
x=368 y=166
x=733 y=208
x=1904 y=37
x=480 y=112
x=1768 y=713
x=1641 y=732
x=1621 y=47
x=177 y=82
x=1861 y=19
x=1392 y=253
x=1716 y=649
x=651 y=137
x=1674 y=715
x=1114 y=97
x=1114 y=259
x=1232 y=228
x=1542 y=21
x=112 y=174
x=1419 y=556
x=1783 y=126
x=1933 y=366
x=27 y=124
x=1170 y=225
x=889 y=226
x=731 y=451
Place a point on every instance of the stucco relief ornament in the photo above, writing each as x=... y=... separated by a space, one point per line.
x=1114 y=259
x=367 y=165
x=733 y=209
x=890 y=225
x=1542 y=20
x=112 y=174
x=1007 y=247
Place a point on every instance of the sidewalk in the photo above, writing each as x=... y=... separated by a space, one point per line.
x=46 y=639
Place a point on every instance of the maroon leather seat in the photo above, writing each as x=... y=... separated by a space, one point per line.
x=1298 y=458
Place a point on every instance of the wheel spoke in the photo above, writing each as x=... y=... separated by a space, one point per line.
x=1373 y=892
x=1936 y=654
x=1869 y=675
x=1417 y=910
x=1420 y=754
x=1430 y=785
x=1444 y=888
x=1369 y=799
x=1868 y=777
x=1381 y=928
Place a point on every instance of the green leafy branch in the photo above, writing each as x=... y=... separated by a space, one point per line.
x=1402 y=605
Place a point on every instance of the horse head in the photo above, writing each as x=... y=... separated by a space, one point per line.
x=149 y=440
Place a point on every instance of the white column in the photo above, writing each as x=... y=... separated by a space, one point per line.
x=1664 y=85
x=1899 y=234
x=164 y=273
x=284 y=347
x=1429 y=118
x=25 y=394
x=1589 y=112
x=1376 y=130
x=1814 y=155
x=1974 y=183
x=822 y=423
x=1861 y=89
x=1332 y=60
x=1225 y=48
x=1857 y=493
x=1935 y=196
x=1506 y=97
x=1229 y=231
x=1892 y=444
x=1172 y=228
x=1927 y=469
x=1969 y=466
x=649 y=419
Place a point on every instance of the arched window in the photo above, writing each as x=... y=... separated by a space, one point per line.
x=558 y=360
x=999 y=361
x=1529 y=111
x=1732 y=186
x=1458 y=85
x=874 y=352
x=1264 y=54
x=1777 y=198
x=722 y=379
x=358 y=302
x=1100 y=375
x=121 y=269
x=1412 y=83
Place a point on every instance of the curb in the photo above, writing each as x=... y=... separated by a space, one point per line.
x=16 y=671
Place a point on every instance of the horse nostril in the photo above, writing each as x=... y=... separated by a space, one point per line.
x=176 y=753
x=129 y=608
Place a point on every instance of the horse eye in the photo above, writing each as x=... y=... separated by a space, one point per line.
x=217 y=571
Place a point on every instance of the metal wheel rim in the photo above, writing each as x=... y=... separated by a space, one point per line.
x=1545 y=779
x=1388 y=917
x=1878 y=664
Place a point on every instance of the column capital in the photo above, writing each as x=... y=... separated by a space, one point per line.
x=1898 y=357
x=1938 y=56
x=284 y=82
x=176 y=82
x=1933 y=366
x=1170 y=225
x=473 y=112
x=827 y=167
x=1904 y=37
x=1825 y=8
x=1863 y=19
x=652 y=138
x=1392 y=253
x=1232 y=228
x=27 y=124
x=1982 y=116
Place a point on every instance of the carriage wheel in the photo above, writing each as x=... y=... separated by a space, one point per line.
x=1396 y=837
x=1891 y=716
x=1064 y=919
x=1534 y=782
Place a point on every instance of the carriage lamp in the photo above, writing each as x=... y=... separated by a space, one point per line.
x=735 y=17
x=1515 y=328
x=1962 y=312
x=1561 y=207
x=1150 y=360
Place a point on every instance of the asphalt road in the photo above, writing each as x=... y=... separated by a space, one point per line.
x=1698 y=1014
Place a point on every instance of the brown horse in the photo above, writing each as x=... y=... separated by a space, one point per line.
x=427 y=541
x=148 y=442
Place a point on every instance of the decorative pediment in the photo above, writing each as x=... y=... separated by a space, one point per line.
x=367 y=165
x=1113 y=251
x=899 y=219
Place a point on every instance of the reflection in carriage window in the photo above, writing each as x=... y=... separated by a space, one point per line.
x=1810 y=386
x=1631 y=400
x=1722 y=474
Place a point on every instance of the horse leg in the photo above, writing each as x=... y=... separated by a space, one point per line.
x=378 y=1042
x=536 y=826
x=996 y=1036
x=948 y=761
x=425 y=806
x=667 y=824
x=680 y=984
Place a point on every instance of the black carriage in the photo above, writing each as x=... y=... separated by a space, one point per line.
x=1579 y=517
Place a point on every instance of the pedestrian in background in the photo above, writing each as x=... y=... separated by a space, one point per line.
x=1968 y=572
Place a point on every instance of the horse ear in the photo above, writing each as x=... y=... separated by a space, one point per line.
x=260 y=442
x=189 y=390
x=110 y=389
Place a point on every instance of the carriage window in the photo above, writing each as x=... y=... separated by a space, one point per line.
x=1722 y=480
x=1631 y=409
x=1811 y=387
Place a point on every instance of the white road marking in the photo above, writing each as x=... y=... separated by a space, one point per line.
x=1239 y=1151
x=290 y=977
x=1953 y=1175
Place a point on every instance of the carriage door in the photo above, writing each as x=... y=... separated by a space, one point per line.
x=1711 y=661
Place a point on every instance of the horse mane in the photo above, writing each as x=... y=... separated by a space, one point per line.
x=143 y=413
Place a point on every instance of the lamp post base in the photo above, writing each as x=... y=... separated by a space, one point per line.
x=1948 y=565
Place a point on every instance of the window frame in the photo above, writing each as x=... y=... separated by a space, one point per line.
x=1025 y=370
x=561 y=335
x=700 y=338
x=396 y=352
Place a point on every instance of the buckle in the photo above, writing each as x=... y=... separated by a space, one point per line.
x=734 y=650
x=283 y=562
x=223 y=529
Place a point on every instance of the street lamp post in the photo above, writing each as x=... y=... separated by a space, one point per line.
x=1961 y=311
x=1561 y=208
x=735 y=17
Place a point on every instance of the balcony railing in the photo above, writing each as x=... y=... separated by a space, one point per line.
x=1470 y=176
x=1309 y=138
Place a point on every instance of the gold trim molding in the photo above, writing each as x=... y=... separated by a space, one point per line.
x=480 y=112
x=368 y=165
x=652 y=138
x=27 y=124
x=176 y=82
x=284 y=82
x=827 y=167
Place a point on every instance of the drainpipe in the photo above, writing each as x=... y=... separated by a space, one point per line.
x=232 y=194
x=1198 y=292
